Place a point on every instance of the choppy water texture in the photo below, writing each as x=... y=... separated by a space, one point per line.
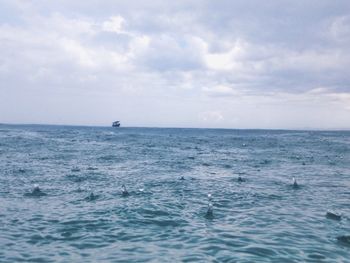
x=82 y=215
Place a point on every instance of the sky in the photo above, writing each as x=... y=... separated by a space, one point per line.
x=217 y=64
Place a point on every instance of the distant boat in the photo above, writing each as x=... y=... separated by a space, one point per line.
x=116 y=124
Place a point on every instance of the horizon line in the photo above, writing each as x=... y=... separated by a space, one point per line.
x=175 y=127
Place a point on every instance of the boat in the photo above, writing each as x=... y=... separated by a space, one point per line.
x=116 y=124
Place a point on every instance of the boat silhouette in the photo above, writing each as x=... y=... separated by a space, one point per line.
x=116 y=124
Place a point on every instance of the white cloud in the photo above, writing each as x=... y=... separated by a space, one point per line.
x=82 y=55
x=212 y=116
x=340 y=28
x=221 y=90
x=230 y=60
x=114 y=24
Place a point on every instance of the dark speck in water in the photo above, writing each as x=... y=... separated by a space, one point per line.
x=333 y=216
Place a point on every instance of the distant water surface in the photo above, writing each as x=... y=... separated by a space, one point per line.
x=81 y=214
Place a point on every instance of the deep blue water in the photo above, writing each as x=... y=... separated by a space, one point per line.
x=262 y=219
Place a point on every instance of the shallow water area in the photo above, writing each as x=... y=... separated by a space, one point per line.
x=81 y=213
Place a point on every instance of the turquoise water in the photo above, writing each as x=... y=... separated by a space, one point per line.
x=80 y=214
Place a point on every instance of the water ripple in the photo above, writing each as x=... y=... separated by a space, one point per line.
x=83 y=216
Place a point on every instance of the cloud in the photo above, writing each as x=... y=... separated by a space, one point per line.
x=207 y=54
x=226 y=61
x=221 y=90
x=212 y=116
x=167 y=52
x=340 y=29
x=114 y=24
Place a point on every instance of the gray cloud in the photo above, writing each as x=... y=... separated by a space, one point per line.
x=190 y=54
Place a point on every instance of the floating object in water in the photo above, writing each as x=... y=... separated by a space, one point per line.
x=141 y=190
x=265 y=162
x=124 y=191
x=36 y=192
x=75 y=169
x=91 y=197
x=182 y=177
x=240 y=179
x=295 y=183
x=36 y=189
x=209 y=213
x=210 y=197
x=344 y=239
x=333 y=216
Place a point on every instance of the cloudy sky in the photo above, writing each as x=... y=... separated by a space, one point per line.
x=229 y=64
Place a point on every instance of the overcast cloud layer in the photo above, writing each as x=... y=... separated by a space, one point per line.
x=230 y=64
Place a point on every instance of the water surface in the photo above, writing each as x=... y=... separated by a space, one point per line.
x=164 y=218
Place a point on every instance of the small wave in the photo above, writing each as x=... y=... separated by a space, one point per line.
x=35 y=193
x=92 y=197
x=260 y=251
x=345 y=240
x=316 y=256
x=76 y=178
x=164 y=222
x=75 y=169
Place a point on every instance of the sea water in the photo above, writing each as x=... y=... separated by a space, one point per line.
x=82 y=214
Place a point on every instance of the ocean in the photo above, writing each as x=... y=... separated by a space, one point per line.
x=62 y=197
